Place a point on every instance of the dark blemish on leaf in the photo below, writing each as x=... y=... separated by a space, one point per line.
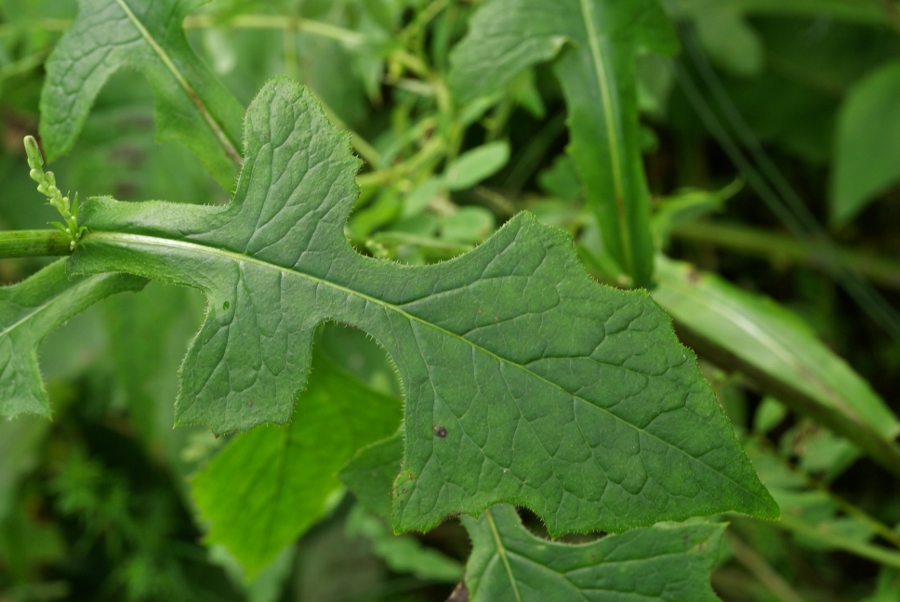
x=479 y=312
x=693 y=276
x=496 y=318
x=440 y=431
x=249 y=404
x=226 y=305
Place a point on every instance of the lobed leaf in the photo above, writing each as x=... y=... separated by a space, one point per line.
x=270 y=485
x=602 y=39
x=191 y=105
x=671 y=563
x=32 y=309
x=526 y=382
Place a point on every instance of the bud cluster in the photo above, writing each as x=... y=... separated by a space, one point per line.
x=46 y=182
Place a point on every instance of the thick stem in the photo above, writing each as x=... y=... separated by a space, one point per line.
x=34 y=243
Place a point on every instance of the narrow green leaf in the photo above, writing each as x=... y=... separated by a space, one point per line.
x=271 y=484
x=476 y=165
x=509 y=563
x=738 y=330
x=29 y=311
x=868 y=143
x=597 y=72
x=526 y=381
x=191 y=105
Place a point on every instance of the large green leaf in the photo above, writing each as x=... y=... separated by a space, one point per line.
x=271 y=484
x=755 y=335
x=597 y=72
x=29 y=311
x=526 y=381
x=868 y=143
x=191 y=105
x=509 y=563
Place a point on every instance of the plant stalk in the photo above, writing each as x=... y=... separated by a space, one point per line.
x=757 y=243
x=34 y=243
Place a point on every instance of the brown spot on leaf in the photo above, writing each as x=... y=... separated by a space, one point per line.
x=460 y=593
x=440 y=431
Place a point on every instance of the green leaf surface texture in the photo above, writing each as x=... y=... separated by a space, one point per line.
x=371 y=473
x=191 y=105
x=597 y=70
x=664 y=563
x=868 y=143
x=771 y=343
x=29 y=311
x=526 y=382
x=271 y=484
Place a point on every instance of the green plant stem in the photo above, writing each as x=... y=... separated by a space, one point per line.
x=761 y=569
x=859 y=548
x=326 y=30
x=855 y=511
x=34 y=243
x=750 y=241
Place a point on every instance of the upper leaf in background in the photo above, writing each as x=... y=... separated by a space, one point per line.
x=526 y=381
x=868 y=143
x=509 y=563
x=271 y=484
x=597 y=72
x=728 y=39
x=191 y=105
x=758 y=337
x=29 y=311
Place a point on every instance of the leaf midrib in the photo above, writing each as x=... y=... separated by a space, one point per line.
x=120 y=237
x=217 y=129
x=501 y=551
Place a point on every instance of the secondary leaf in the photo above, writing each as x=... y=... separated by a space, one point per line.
x=371 y=473
x=271 y=484
x=868 y=143
x=29 y=311
x=402 y=553
x=597 y=73
x=476 y=165
x=191 y=105
x=526 y=381
x=671 y=564
x=765 y=341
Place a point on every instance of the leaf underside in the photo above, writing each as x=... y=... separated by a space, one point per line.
x=670 y=564
x=32 y=309
x=525 y=381
x=192 y=106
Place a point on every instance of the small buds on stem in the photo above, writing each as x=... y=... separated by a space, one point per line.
x=47 y=186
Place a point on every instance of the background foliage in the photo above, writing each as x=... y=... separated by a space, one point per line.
x=772 y=118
